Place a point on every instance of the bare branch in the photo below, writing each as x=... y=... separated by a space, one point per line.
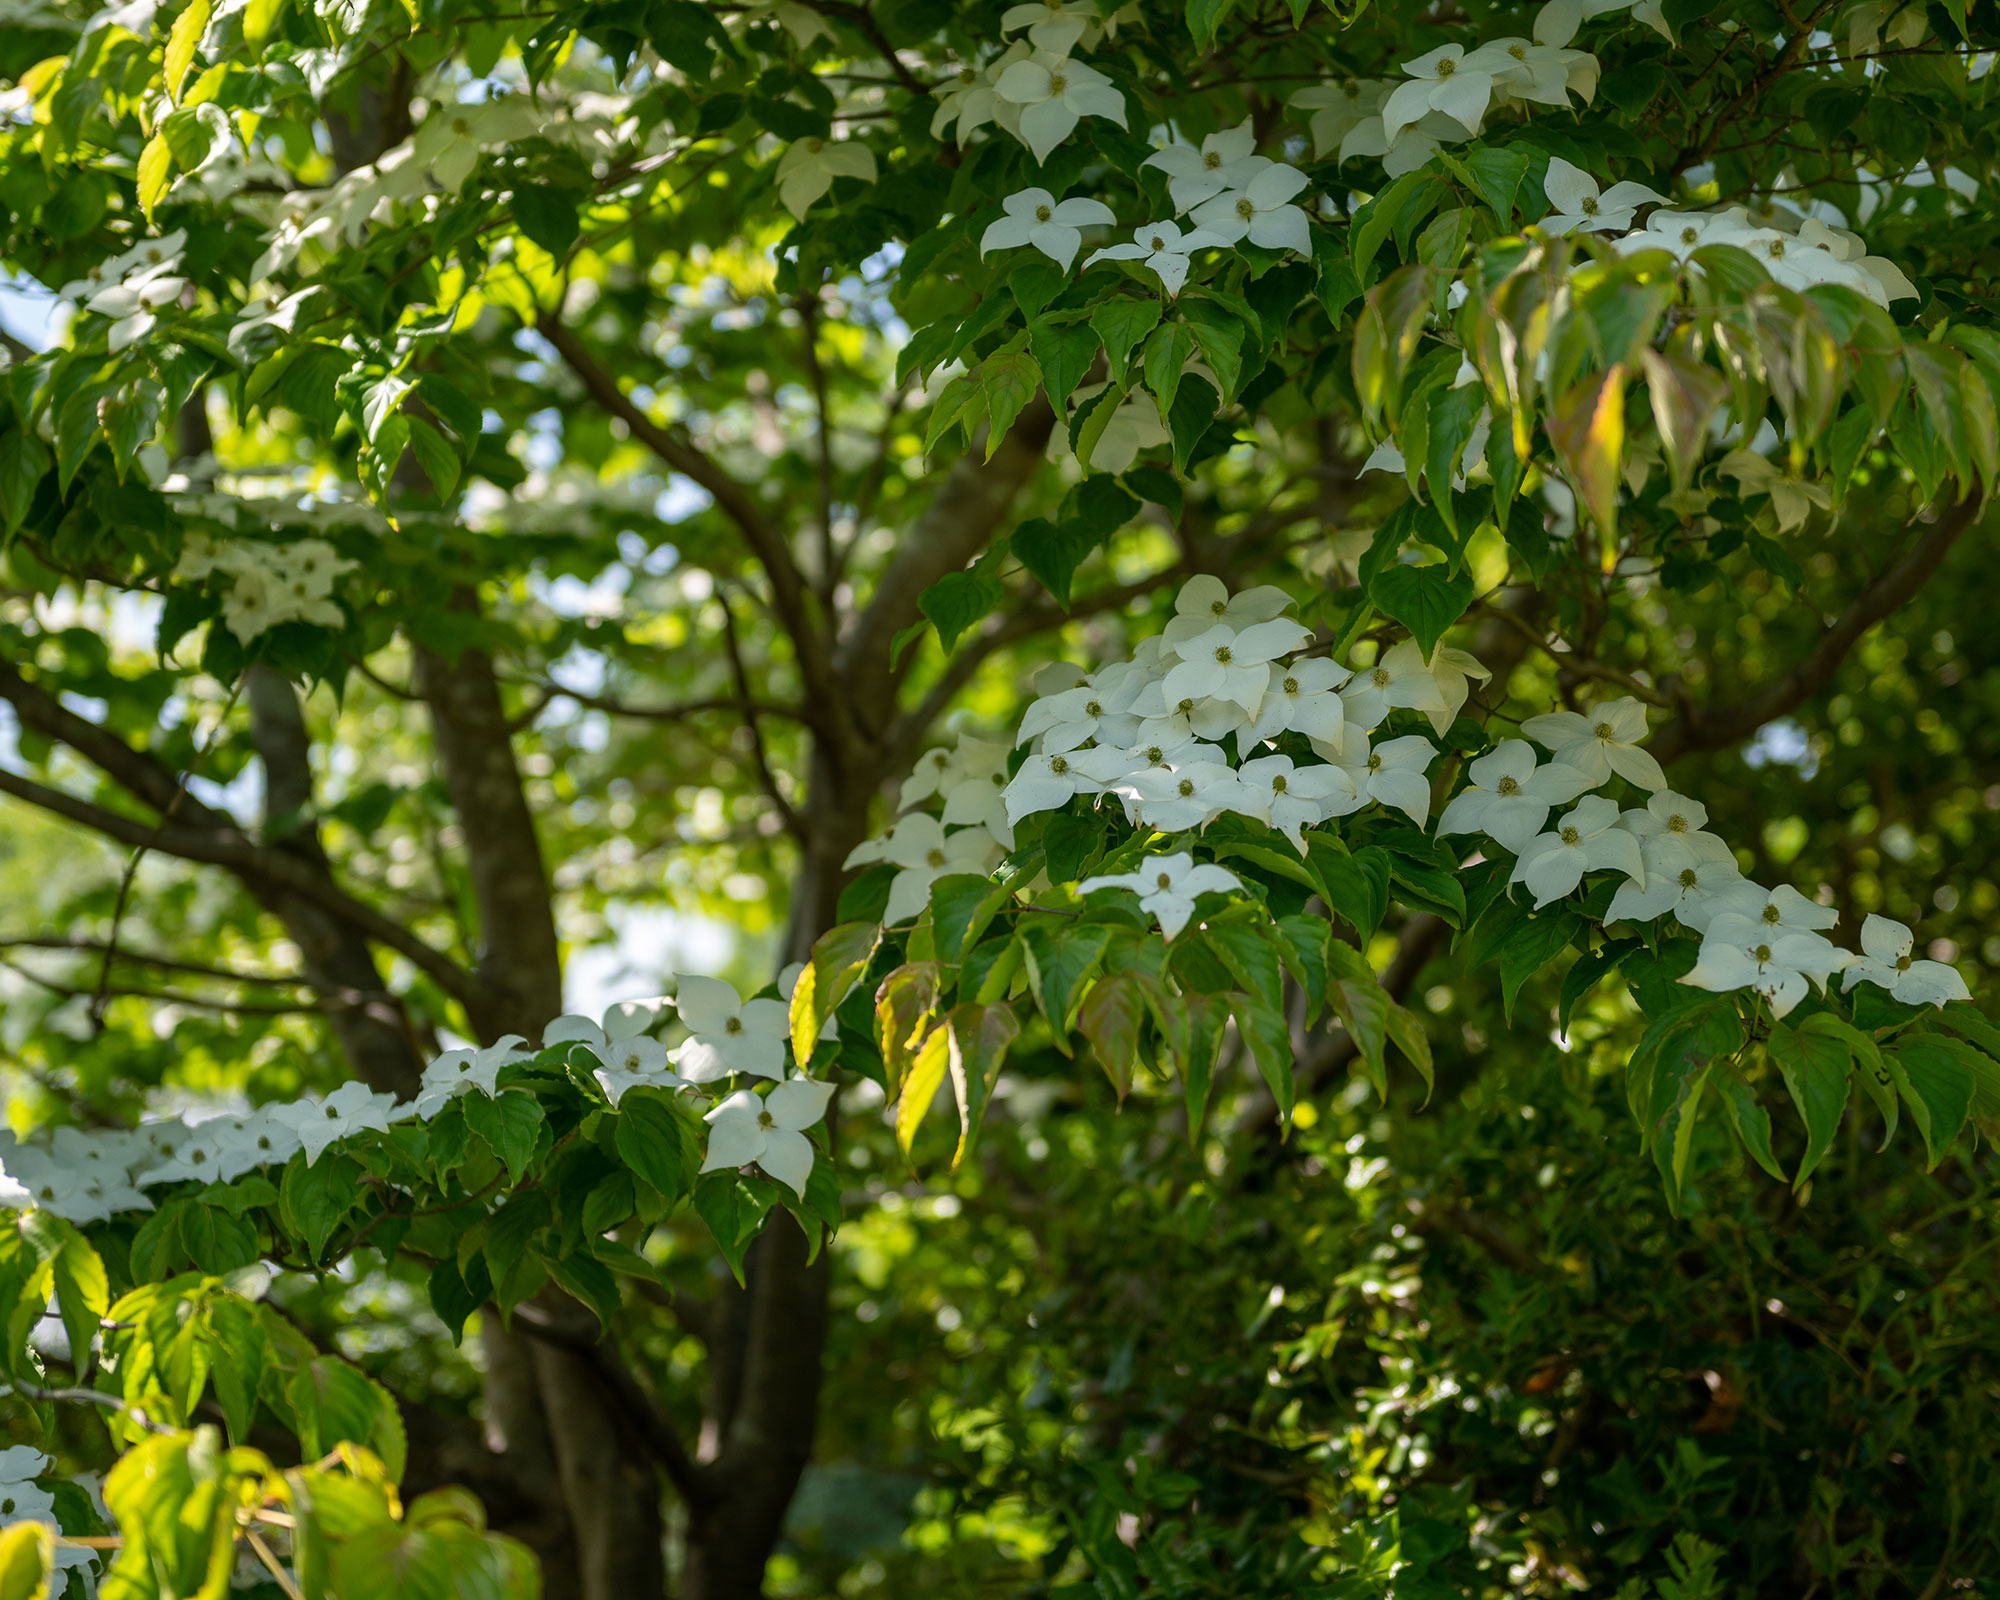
x=1709 y=728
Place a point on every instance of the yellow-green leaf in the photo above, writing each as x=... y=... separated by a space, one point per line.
x=27 y=1555
x=921 y=1084
x=156 y=166
x=188 y=28
x=1588 y=431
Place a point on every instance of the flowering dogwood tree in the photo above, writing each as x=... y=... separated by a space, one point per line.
x=1122 y=535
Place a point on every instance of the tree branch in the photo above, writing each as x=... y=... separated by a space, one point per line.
x=765 y=775
x=1712 y=727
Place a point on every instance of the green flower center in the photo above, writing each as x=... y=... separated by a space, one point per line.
x=1187 y=788
x=1571 y=836
x=935 y=858
x=1058 y=766
x=1508 y=786
x=733 y=1025
x=1605 y=731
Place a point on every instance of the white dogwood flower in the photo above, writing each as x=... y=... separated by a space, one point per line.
x=1599 y=742
x=1204 y=601
x=1292 y=798
x=1036 y=217
x=1885 y=959
x=807 y=169
x=1080 y=716
x=728 y=1033
x=1687 y=892
x=1403 y=678
x=1587 y=839
x=1580 y=206
x=1190 y=794
x=1510 y=797
x=350 y=1109
x=1391 y=772
x=1783 y=967
x=1054 y=94
x=1163 y=250
x=940 y=771
x=1334 y=110
x=1670 y=834
x=1168 y=887
x=1226 y=160
x=1232 y=664
x=1261 y=211
x=769 y=1130
x=1779 y=910
x=968 y=97
x=925 y=852
x=1440 y=81
x=1044 y=783
x=1304 y=698
x=1053 y=25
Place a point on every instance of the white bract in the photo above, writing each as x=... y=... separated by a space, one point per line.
x=1509 y=797
x=1163 y=250
x=728 y=1033
x=349 y=1110
x=1580 y=206
x=1204 y=601
x=1305 y=699
x=1779 y=910
x=1261 y=211
x=1226 y=160
x=1669 y=831
x=1054 y=94
x=1053 y=25
x=1737 y=953
x=1045 y=782
x=1335 y=110
x=969 y=99
x=1189 y=794
x=769 y=1130
x=807 y=169
x=1686 y=893
x=1885 y=959
x=1441 y=81
x=1392 y=772
x=1036 y=217
x=925 y=852
x=1227 y=663
x=1601 y=741
x=1292 y=798
x=456 y=1072
x=1402 y=678
x=1587 y=839
x=1168 y=886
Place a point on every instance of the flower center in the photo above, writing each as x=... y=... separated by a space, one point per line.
x=1518 y=52
x=1604 y=730
x=1773 y=915
x=1094 y=709
x=1278 y=784
x=1058 y=766
x=1058 y=82
x=1291 y=686
x=1154 y=755
x=1185 y=707
x=1509 y=786
x=1589 y=206
x=1677 y=823
x=1159 y=243
x=1374 y=763
x=1043 y=213
x=940 y=760
x=968 y=75
x=814 y=146
x=1571 y=836
x=1222 y=654
x=1902 y=963
x=1245 y=209
x=733 y=1025
x=1164 y=880
x=1762 y=953
x=935 y=858
x=1211 y=160
x=1217 y=607
x=766 y=1121
x=1380 y=677
x=1187 y=788
x=1689 y=235
x=1447 y=67
x=1777 y=249
x=1688 y=878
x=1350 y=88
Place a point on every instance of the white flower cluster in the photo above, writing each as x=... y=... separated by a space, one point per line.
x=968 y=779
x=132 y=286
x=1149 y=734
x=88 y=1175
x=1797 y=249
x=268 y=583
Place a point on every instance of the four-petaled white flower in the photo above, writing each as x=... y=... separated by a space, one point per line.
x=1189 y=794
x=1687 y=892
x=133 y=303
x=1226 y=160
x=1779 y=910
x=1392 y=772
x=456 y=1072
x=1587 y=839
x=1441 y=81
x=1204 y=600
x=1599 y=742
x=1737 y=953
x=1090 y=713
x=1337 y=109
x=1233 y=664
x=1669 y=831
x=1044 y=783
x=1510 y=797
x=1163 y=250
x=1168 y=886
x=1036 y=217
x=728 y=1033
x=1580 y=206
x=1054 y=94
x=1304 y=698
x=1293 y=798
x=1260 y=211
x=807 y=170
x=1885 y=959
x=769 y=1130
x=1053 y=25
x=1402 y=678
x=352 y=1108
x=968 y=97
x=925 y=852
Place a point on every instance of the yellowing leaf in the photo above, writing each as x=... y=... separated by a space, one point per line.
x=1588 y=431
x=188 y=28
x=921 y=1084
x=156 y=166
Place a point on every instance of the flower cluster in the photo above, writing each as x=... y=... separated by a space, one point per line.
x=1185 y=730
x=133 y=286
x=268 y=583
x=87 y=1176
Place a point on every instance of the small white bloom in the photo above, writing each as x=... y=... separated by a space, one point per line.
x=1045 y=783
x=1391 y=772
x=1687 y=893
x=1885 y=959
x=1587 y=839
x=1334 y=110
x=1053 y=25
x=1261 y=211
x=1292 y=798
x=1402 y=678
x=1054 y=94
x=968 y=97
x=1670 y=834
x=1510 y=797
x=350 y=1109
x=1231 y=664
x=925 y=852
x=1168 y=886
x=1226 y=160
x=807 y=169
x=941 y=771
x=1189 y=794
x=1581 y=206
x=1036 y=217
x=728 y=1033
x=1779 y=910
x=1441 y=82
x=1204 y=600
x=1163 y=250
x=1305 y=699
x=1736 y=954
x=1600 y=742
x=769 y=1130
x=1081 y=716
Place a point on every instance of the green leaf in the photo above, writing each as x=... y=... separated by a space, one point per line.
x=1204 y=17
x=335 y=1402
x=1937 y=1086
x=27 y=1559
x=1110 y=1018
x=156 y=167
x=1426 y=600
x=1060 y=961
x=1252 y=960
x=312 y=1200
x=1219 y=335
x=962 y=905
x=1010 y=380
x=1194 y=408
x=921 y=1083
x=1815 y=1069
x=1408 y=1034
x=1532 y=944
x=1053 y=552
x=1750 y=1120
x=186 y=34
x=510 y=1122
x=77 y=1276
x=1587 y=428
x=1362 y=1005
x=1358 y=884
x=980 y=1037
x=958 y=600
x=1121 y=324
x=436 y=456
x=1269 y=1041
x=839 y=957
x=1034 y=285
x=1494 y=173
x=1167 y=352
x=656 y=1136
x=1064 y=352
